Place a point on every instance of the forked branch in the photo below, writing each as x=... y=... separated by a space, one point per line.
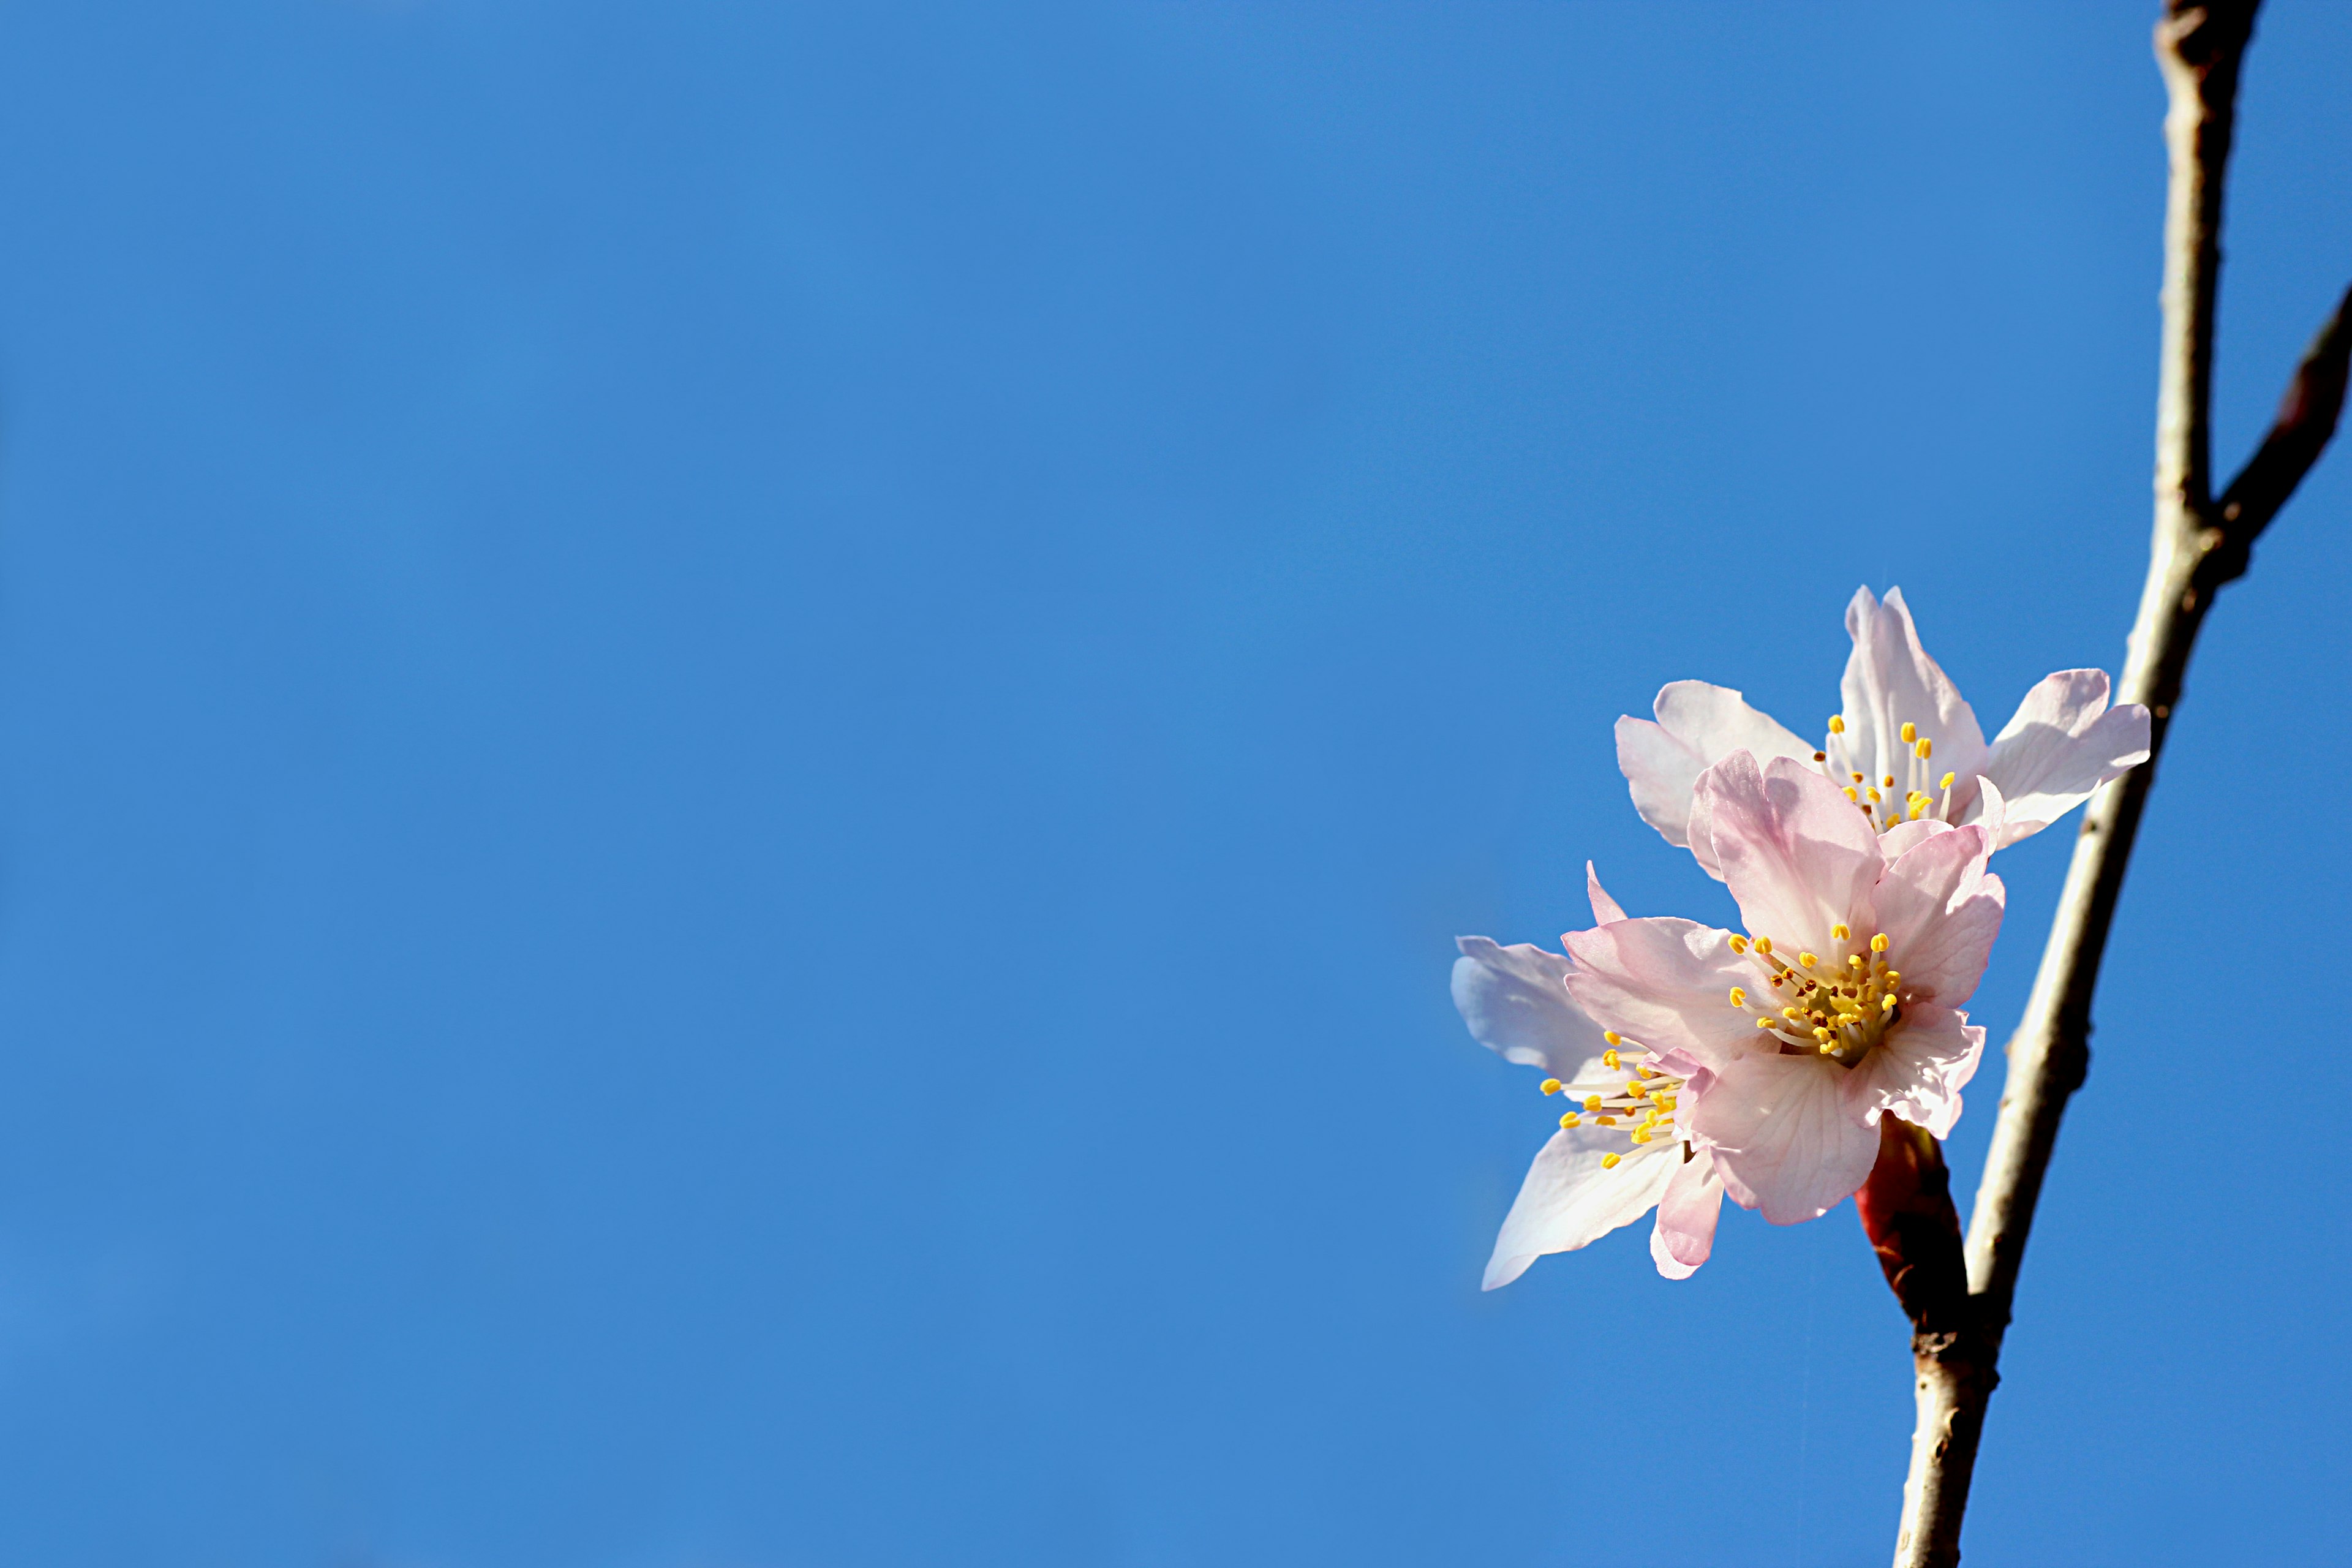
x=2199 y=544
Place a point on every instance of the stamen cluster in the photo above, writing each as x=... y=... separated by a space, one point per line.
x=1643 y=1102
x=1882 y=810
x=1837 y=1006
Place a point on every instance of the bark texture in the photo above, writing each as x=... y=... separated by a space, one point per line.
x=2199 y=544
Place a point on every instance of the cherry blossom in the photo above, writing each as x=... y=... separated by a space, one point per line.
x=1608 y=1163
x=1902 y=744
x=1698 y=1063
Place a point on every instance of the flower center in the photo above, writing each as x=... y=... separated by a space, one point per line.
x=1643 y=1102
x=1877 y=796
x=1837 y=1005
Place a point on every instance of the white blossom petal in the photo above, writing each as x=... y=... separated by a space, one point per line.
x=1515 y=1002
x=1688 y=1210
x=1890 y=681
x=1605 y=908
x=1940 y=913
x=1664 y=984
x=1899 y=841
x=1784 y=1139
x=1697 y=726
x=1795 y=851
x=1918 y=1071
x=1569 y=1200
x=1668 y=1265
x=2063 y=744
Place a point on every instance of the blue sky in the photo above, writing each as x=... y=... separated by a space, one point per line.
x=742 y=744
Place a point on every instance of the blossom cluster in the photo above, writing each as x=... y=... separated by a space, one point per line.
x=1695 y=1063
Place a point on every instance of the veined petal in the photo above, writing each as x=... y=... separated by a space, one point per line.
x=1795 y=851
x=1785 y=1141
x=1570 y=1200
x=1940 y=913
x=2064 y=743
x=1665 y=984
x=1515 y=1002
x=1918 y=1071
x=1688 y=1210
x=1697 y=725
x=1890 y=681
x=1901 y=839
x=1605 y=908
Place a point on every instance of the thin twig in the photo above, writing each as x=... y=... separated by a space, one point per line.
x=2199 y=545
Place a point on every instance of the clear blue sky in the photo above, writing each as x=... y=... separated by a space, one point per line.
x=741 y=743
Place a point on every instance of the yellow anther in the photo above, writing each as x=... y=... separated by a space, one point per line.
x=1608 y=1057
x=1853 y=795
x=1839 y=931
x=1875 y=797
x=1886 y=1004
x=1666 y=1102
x=1641 y=1137
x=1919 y=809
x=1889 y=781
x=1592 y=1102
x=1609 y=1161
x=1571 y=1119
x=1764 y=945
x=1740 y=944
x=1822 y=1034
x=1805 y=960
x=1893 y=976
x=1825 y=1048
x=1613 y=1037
x=1910 y=733
x=1878 y=942
x=1854 y=959
x=1739 y=997
x=1763 y=1022
x=1857 y=778
x=1549 y=1086
x=1946 y=783
x=1837 y=724
x=1791 y=1013
x=1925 y=749
x=1606 y=1120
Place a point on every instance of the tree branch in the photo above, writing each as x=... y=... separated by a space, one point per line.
x=2199 y=544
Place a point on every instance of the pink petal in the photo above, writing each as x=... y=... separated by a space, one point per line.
x=1605 y=908
x=1698 y=724
x=1795 y=851
x=1569 y=1200
x=1918 y=1071
x=2064 y=743
x=1669 y=1265
x=1664 y=984
x=1898 y=841
x=1515 y=1002
x=1687 y=1211
x=1785 y=1142
x=1890 y=681
x=1940 y=913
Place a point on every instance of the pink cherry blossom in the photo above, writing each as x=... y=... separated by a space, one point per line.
x=1904 y=742
x=1592 y=1176
x=1698 y=1062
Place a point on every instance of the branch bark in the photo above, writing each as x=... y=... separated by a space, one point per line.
x=2199 y=544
